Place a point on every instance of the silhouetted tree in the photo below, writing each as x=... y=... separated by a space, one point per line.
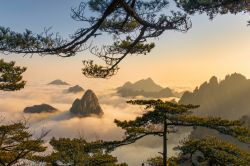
x=11 y=76
x=164 y=117
x=131 y=23
x=214 y=7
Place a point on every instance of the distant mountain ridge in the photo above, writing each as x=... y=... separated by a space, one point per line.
x=228 y=98
x=74 y=89
x=145 y=87
x=58 y=82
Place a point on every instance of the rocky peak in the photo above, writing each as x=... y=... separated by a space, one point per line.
x=87 y=105
x=213 y=81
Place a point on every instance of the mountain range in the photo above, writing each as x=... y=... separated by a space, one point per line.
x=228 y=98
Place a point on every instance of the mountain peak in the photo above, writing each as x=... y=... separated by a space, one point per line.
x=147 y=85
x=87 y=105
x=235 y=76
x=149 y=79
x=74 y=89
x=58 y=82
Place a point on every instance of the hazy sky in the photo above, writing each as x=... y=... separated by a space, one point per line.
x=217 y=47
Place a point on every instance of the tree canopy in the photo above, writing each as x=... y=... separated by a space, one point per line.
x=214 y=7
x=17 y=143
x=164 y=117
x=11 y=76
x=131 y=23
x=79 y=152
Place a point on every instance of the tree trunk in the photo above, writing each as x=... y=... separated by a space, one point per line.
x=165 y=142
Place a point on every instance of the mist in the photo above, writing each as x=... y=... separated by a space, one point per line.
x=63 y=124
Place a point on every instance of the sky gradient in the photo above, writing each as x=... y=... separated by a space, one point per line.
x=217 y=47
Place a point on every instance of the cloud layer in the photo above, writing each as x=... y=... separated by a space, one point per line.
x=62 y=124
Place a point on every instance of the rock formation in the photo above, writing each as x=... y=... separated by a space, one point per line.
x=43 y=108
x=87 y=105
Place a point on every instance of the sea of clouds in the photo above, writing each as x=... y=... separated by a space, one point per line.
x=62 y=124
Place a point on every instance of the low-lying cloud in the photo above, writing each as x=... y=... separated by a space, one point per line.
x=62 y=124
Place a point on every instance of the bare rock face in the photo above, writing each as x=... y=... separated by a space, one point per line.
x=87 y=105
x=43 y=108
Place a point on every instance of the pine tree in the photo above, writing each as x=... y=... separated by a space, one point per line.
x=79 y=152
x=11 y=76
x=131 y=23
x=17 y=143
x=214 y=7
x=206 y=151
x=163 y=118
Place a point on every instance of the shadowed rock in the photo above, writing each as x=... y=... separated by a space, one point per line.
x=87 y=105
x=43 y=108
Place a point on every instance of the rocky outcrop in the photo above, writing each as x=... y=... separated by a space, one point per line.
x=87 y=105
x=74 y=89
x=43 y=108
x=58 y=82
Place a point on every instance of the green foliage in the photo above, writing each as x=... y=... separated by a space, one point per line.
x=163 y=118
x=131 y=23
x=27 y=41
x=214 y=7
x=136 y=20
x=157 y=161
x=11 y=76
x=79 y=152
x=215 y=152
x=16 y=143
